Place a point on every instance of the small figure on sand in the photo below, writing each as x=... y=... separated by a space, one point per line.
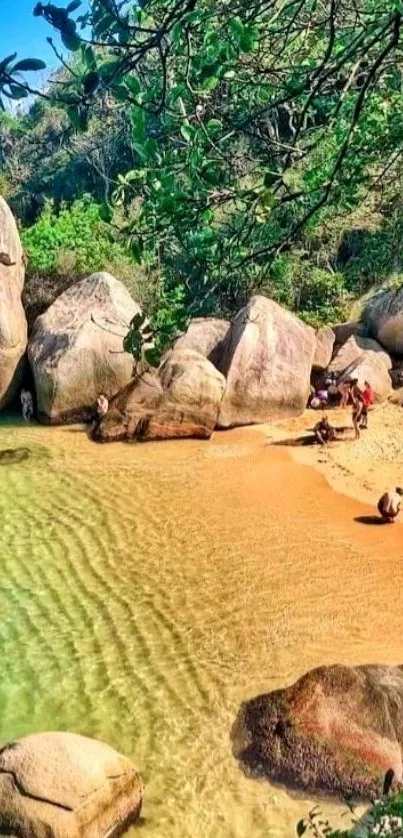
x=27 y=405
x=389 y=505
x=102 y=406
x=358 y=406
x=324 y=432
x=368 y=401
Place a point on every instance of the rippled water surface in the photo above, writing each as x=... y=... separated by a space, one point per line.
x=145 y=591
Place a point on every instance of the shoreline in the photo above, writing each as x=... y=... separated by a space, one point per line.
x=359 y=469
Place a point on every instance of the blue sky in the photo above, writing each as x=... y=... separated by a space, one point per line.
x=21 y=32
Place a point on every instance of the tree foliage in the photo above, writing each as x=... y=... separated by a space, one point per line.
x=251 y=130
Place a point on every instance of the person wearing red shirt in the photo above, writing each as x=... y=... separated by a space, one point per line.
x=368 y=399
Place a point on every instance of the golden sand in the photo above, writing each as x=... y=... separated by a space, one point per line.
x=146 y=590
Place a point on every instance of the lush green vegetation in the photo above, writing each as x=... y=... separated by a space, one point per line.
x=231 y=147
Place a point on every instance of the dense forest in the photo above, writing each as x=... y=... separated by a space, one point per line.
x=202 y=151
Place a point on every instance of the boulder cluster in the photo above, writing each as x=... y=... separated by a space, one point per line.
x=219 y=374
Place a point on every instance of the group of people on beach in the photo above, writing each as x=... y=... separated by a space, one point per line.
x=347 y=392
x=343 y=394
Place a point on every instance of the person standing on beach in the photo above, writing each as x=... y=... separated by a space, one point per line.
x=27 y=405
x=389 y=505
x=368 y=401
x=358 y=406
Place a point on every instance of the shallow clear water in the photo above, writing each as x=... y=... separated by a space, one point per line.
x=145 y=591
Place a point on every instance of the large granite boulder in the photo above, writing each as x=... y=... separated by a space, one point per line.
x=75 y=350
x=204 y=335
x=182 y=400
x=13 y=324
x=267 y=359
x=325 y=338
x=370 y=367
x=344 y=331
x=354 y=350
x=383 y=317
x=61 y=785
x=338 y=729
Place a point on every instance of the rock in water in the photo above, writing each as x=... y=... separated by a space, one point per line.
x=383 y=317
x=325 y=338
x=183 y=400
x=61 y=785
x=267 y=359
x=338 y=729
x=76 y=348
x=13 y=324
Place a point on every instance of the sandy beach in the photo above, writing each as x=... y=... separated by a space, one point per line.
x=362 y=469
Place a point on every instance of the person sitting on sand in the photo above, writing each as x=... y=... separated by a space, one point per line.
x=102 y=406
x=27 y=405
x=389 y=505
x=324 y=432
x=368 y=400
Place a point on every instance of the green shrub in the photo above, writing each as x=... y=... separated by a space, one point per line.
x=68 y=244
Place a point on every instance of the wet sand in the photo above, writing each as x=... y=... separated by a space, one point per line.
x=146 y=590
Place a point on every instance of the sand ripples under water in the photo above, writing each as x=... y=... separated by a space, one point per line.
x=146 y=591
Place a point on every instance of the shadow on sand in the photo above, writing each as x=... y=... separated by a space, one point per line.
x=371 y=520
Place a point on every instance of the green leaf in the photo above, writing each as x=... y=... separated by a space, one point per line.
x=133 y=84
x=301 y=828
x=137 y=250
x=140 y=150
x=248 y=40
x=78 y=117
x=91 y=82
x=214 y=125
x=69 y=35
x=18 y=92
x=73 y=6
x=187 y=132
x=89 y=57
x=72 y=42
x=121 y=93
x=210 y=83
x=5 y=61
x=236 y=27
x=29 y=65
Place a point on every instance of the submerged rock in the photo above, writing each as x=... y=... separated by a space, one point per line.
x=61 y=785
x=182 y=400
x=75 y=350
x=267 y=359
x=13 y=324
x=338 y=729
